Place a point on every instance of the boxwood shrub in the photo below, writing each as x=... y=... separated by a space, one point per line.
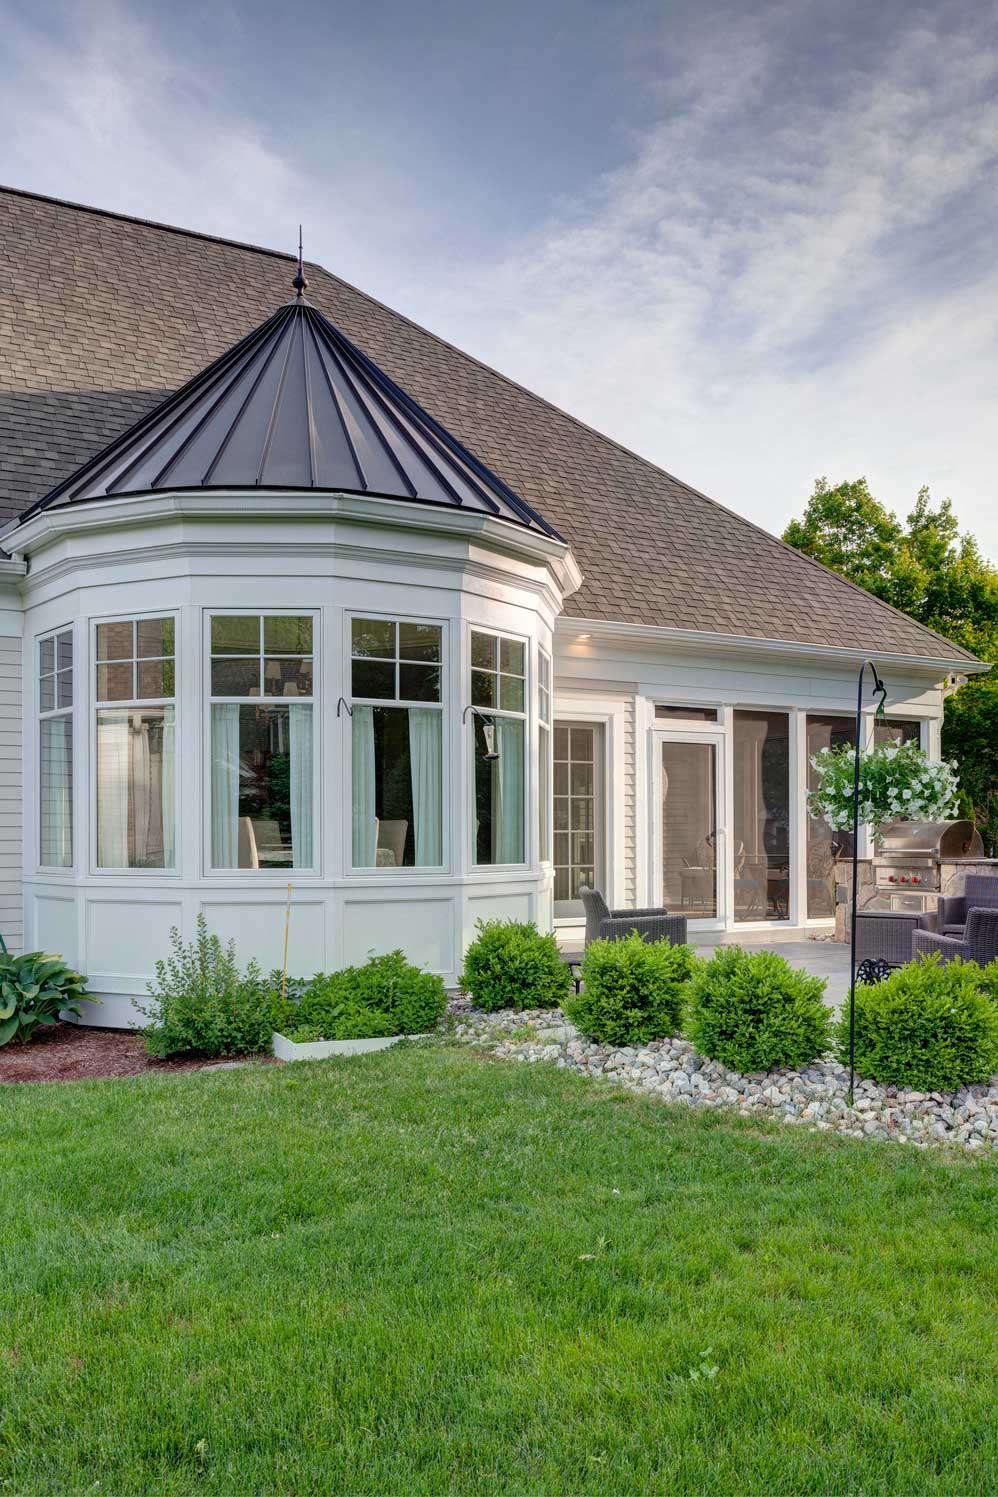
x=930 y=1026
x=510 y=964
x=388 y=995
x=752 y=1011
x=632 y=990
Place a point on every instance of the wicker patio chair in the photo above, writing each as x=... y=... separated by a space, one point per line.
x=980 y=893
x=886 y=935
x=979 y=942
x=604 y=924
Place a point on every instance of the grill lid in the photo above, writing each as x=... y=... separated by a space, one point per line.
x=902 y=840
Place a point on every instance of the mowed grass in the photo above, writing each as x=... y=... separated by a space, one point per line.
x=419 y=1272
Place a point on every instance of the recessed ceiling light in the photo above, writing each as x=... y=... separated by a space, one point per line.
x=581 y=637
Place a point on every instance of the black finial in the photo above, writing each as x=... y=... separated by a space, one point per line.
x=299 y=283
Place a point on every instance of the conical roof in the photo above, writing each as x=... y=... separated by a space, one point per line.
x=295 y=405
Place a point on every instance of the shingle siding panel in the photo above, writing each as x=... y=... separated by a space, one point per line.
x=103 y=316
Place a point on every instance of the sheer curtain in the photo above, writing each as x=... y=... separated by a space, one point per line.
x=113 y=755
x=301 y=786
x=141 y=768
x=508 y=807
x=169 y=790
x=57 y=792
x=425 y=757
x=364 y=824
x=225 y=785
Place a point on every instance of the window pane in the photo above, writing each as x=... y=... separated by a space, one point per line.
x=46 y=692
x=499 y=790
x=115 y=641
x=578 y=807
x=561 y=813
x=483 y=651
x=235 y=634
x=419 y=641
x=511 y=693
x=135 y=788
x=56 y=802
x=287 y=678
x=373 y=678
x=560 y=741
x=419 y=683
x=46 y=656
x=64 y=688
x=156 y=678
x=374 y=637
x=544 y=794
x=560 y=778
x=582 y=779
x=235 y=678
x=583 y=814
x=688 y=714
x=825 y=847
x=483 y=689
x=155 y=637
x=262 y=786
x=116 y=683
x=511 y=656
x=397 y=780
x=288 y=634
x=761 y=754
x=64 y=650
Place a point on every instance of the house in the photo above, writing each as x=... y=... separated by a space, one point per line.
x=301 y=603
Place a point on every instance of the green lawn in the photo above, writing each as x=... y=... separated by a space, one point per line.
x=419 y=1272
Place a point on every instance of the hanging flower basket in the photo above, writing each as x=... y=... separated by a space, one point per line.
x=897 y=782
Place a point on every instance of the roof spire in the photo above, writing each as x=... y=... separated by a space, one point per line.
x=299 y=283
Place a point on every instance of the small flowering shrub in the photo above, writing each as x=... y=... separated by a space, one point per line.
x=896 y=781
x=510 y=964
x=632 y=990
x=752 y=1011
x=930 y=1026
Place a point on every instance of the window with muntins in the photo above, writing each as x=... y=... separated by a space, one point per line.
x=544 y=756
x=136 y=743
x=262 y=782
x=396 y=671
x=499 y=690
x=578 y=813
x=55 y=745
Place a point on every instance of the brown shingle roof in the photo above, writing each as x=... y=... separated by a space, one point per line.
x=102 y=316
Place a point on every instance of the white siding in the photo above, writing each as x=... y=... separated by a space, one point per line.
x=10 y=792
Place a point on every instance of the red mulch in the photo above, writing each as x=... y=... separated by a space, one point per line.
x=76 y=1052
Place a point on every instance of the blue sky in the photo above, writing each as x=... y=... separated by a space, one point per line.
x=755 y=242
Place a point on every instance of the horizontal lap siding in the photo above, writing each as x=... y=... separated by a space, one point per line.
x=10 y=793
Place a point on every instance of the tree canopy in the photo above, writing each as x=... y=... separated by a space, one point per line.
x=928 y=569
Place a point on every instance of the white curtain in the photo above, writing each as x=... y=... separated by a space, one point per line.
x=425 y=757
x=141 y=788
x=507 y=806
x=364 y=824
x=301 y=786
x=169 y=790
x=225 y=785
x=57 y=792
x=113 y=763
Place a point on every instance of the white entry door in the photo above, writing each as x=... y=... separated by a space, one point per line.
x=689 y=865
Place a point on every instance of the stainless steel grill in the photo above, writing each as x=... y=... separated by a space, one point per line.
x=907 y=865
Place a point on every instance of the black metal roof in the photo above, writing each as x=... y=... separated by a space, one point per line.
x=294 y=405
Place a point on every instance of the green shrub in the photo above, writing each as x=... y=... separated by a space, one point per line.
x=388 y=995
x=202 y=1004
x=751 y=1011
x=930 y=1026
x=35 y=989
x=510 y=964
x=632 y=990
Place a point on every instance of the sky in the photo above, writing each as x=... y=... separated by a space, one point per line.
x=755 y=242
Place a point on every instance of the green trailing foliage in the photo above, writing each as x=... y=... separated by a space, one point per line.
x=752 y=1011
x=632 y=990
x=931 y=1026
x=34 y=989
x=510 y=964
x=386 y=996
x=202 y=1003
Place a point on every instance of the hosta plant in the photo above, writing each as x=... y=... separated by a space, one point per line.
x=896 y=782
x=35 y=989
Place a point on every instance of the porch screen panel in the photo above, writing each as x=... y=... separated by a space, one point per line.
x=896 y=730
x=761 y=848
x=578 y=814
x=55 y=744
x=689 y=828
x=825 y=847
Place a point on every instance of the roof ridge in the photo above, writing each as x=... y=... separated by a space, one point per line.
x=147 y=223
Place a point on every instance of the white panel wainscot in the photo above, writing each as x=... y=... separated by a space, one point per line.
x=423 y=928
x=127 y=937
x=52 y=925
x=257 y=927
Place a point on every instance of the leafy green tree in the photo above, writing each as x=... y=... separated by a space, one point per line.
x=931 y=571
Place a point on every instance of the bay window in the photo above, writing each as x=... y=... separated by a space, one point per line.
x=262 y=789
x=55 y=741
x=135 y=743
x=396 y=669
x=498 y=690
x=544 y=756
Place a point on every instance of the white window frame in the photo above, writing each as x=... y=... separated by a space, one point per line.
x=545 y=723
x=95 y=705
x=529 y=749
x=55 y=869
x=261 y=877
x=601 y=791
x=383 y=616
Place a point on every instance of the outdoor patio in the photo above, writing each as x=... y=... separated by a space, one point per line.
x=827 y=959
